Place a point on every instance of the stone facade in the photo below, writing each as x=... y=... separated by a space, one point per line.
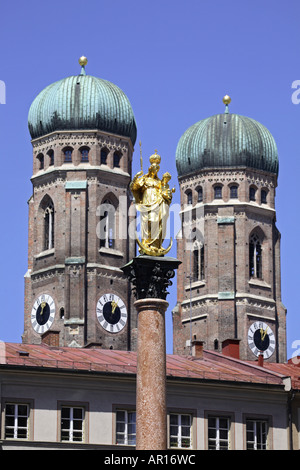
x=220 y=299
x=75 y=268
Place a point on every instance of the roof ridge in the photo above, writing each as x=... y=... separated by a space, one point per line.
x=243 y=363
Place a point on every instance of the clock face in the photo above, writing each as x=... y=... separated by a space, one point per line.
x=111 y=313
x=261 y=339
x=42 y=313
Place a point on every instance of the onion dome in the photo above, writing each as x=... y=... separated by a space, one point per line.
x=82 y=102
x=226 y=141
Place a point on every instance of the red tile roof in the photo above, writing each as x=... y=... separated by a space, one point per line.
x=213 y=366
x=287 y=369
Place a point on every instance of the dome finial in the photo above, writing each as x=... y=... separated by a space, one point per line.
x=83 y=61
x=226 y=101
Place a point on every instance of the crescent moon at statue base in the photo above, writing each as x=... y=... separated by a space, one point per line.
x=151 y=251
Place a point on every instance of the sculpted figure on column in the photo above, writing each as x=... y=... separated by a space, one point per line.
x=152 y=198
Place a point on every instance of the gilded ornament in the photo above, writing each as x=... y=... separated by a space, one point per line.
x=83 y=61
x=226 y=99
x=153 y=197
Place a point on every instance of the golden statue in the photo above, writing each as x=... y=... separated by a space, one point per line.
x=153 y=198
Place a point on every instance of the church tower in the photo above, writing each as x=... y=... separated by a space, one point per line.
x=229 y=282
x=83 y=133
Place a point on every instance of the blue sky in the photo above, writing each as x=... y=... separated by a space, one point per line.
x=175 y=60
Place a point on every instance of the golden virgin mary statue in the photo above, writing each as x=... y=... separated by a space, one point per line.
x=152 y=198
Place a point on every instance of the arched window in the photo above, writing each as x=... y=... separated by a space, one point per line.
x=198 y=262
x=218 y=192
x=233 y=192
x=107 y=225
x=103 y=156
x=49 y=227
x=263 y=196
x=255 y=257
x=252 y=193
x=51 y=157
x=40 y=159
x=117 y=158
x=189 y=196
x=200 y=194
x=68 y=155
x=84 y=152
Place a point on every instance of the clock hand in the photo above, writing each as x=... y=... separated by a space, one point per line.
x=264 y=334
x=114 y=306
x=43 y=305
x=261 y=333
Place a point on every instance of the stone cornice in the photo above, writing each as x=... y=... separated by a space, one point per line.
x=81 y=137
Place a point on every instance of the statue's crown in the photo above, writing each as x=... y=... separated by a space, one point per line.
x=155 y=158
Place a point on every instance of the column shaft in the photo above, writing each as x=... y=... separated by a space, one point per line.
x=151 y=421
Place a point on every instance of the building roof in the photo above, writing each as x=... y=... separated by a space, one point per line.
x=212 y=366
x=288 y=369
x=82 y=102
x=226 y=141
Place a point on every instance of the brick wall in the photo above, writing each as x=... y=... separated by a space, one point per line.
x=76 y=272
x=227 y=300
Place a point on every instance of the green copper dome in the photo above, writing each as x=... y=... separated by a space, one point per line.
x=82 y=102
x=226 y=141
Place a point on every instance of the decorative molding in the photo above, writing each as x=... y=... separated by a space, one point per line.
x=196 y=317
x=200 y=302
x=104 y=266
x=255 y=301
x=48 y=273
x=78 y=139
x=151 y=276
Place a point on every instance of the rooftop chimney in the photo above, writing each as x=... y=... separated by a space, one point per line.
x=197 y=349
x=231 y=348
x=261 y=359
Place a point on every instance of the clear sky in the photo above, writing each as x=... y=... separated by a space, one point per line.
x=175 y=60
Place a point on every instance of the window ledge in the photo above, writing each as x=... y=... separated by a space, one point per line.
x=259 y=283
x=195 y=284
x=44 y=253
x=110 y=251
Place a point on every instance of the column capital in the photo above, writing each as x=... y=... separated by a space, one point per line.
x=151 y=276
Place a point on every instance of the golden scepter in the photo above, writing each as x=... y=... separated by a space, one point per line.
x=141 y=157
